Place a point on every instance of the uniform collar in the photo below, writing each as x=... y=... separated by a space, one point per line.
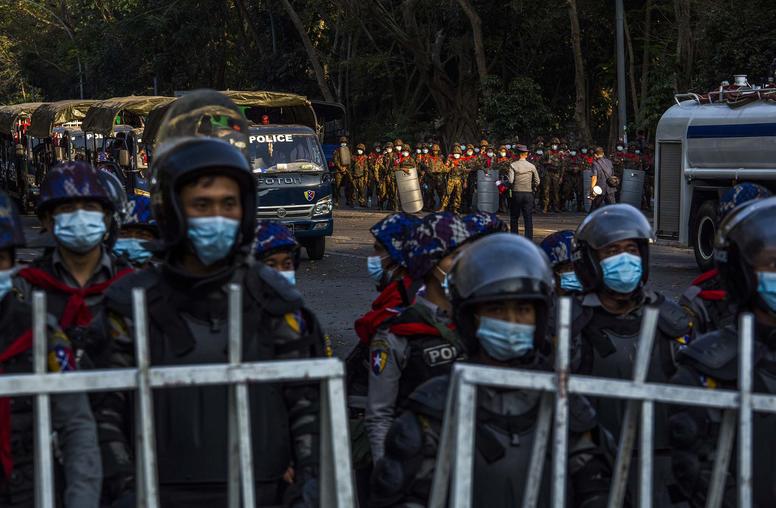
x=439 y=314
x=102 y=272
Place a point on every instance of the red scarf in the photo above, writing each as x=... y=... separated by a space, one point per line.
x=20 y=345
x=709 y=294
x=76 y=311
x=387 y=305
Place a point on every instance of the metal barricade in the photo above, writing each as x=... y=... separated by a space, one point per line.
x=452 y=483
x=336 y=489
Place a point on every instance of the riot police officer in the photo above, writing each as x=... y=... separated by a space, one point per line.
x=72 y=417
x=501 y=311
x=558 y=246
x=745 y=255
x=139 y=233
x=205 y=202
x=397 y=363
x=611 y=260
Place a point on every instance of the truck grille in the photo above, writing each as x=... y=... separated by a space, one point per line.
x=288 y=212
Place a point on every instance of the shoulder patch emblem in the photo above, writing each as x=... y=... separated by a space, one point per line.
x=61 y=358
x=379 y=359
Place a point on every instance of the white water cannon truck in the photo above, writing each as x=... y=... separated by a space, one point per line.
x=705 y=144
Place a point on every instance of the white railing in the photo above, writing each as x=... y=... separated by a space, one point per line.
x=336 y=488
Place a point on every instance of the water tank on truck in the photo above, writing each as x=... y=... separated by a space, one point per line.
x=704 y=145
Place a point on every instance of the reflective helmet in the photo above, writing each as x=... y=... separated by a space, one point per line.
x=200 y=134
x=11 y=231
x=69 y=181
x=435 y=238
x=138 y=214
x=611 y=223
x=393 y=232
x=739 y=194
x=480 y=275
x=558 y=246
x=273 y=237
x=741 y=238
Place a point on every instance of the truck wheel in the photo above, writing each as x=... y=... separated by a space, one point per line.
x=704 y=229
x=316 y=247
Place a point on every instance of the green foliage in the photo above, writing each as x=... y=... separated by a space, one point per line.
x=515 y=109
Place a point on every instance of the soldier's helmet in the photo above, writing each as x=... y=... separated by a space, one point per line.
x=558 y=246
x=343 y=139
x=457 y=149
x=360 y=146
x=435 y=148
x=502 y=148
x=744 y=255
x=554 y=141
x=484 y=143
x=202 y=132
x=480 y=275
x=11 y=231
x=70 y=181
x=609 y=224
x=398 y=142
x=273 y=237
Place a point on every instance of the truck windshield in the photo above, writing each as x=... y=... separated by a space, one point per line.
x=276 y=152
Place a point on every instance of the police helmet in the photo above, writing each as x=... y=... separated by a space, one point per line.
x=69 y=181
x=273 y=237
x=558 y=246
x=11 y=231
x=741 y=240
x=202 y=133
x=739 y=194
x=393 y=232
x=609 y=224
x=480 y=275
x=438 y=236
x=138 y=215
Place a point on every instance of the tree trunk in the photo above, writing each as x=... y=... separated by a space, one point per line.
x=684 y=45
x=311 y=54
x=580 y=105
x=645 y=60
x=631 y=68
x=479 y=46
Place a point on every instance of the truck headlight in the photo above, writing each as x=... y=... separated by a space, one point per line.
x=324 y=206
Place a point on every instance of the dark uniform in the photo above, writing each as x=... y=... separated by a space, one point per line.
x=72 y=419
x=553 y=165
x=573 y=184
x=745 y=247
x=188 y=325
x=342 y=175
x=606 y=339
x=506 y=422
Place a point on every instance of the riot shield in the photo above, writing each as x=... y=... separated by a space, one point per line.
x=408 y=186
x=487 y=191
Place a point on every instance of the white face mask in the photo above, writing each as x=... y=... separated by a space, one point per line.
x=554 y=147
x=490 y=154
x=389 y=150
x=469 y=153
x=425 y=150
x=503 y=154
x=418 y=150
x=457 y=155
x=359 y=151
x=398 y=148
x=619 y=148
x=477 y=150
x=573 y=153
x=343 y=145
x=405 y=153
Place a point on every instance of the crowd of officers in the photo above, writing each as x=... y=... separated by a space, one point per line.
x=448 y=181
x=451 y=288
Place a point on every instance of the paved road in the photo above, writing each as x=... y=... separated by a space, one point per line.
x=338 y=289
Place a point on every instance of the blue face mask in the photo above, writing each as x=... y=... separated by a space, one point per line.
x=374 y=266
x=6 y=282
x=212 y=237
x=570 y=282
x=622 y=273
x=290 y=276
x=503 y=340
x=766 y=287
x=79 y=231
x=133 y=249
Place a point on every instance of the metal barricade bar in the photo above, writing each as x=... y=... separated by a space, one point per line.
x=460 y=412
x=335 y=484
x=561 y=428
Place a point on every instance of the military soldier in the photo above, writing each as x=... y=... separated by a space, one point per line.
x=375 y=162
x=500 y=310
x=360 y=176
x=501 y=163
x=437 y=169
x=342 y=161
x=553 y=164
x=536 y=157
x=385 y=175
x=573 y=183
x=455 y=178
x=71 y=415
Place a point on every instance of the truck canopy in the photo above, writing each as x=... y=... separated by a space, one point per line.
x=53 y=114
x=282 y=108
x=10 y=114
x=102 y=114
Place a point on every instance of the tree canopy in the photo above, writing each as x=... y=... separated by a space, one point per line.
x=458 y=68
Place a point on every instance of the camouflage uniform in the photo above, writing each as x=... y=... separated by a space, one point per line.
x=342 y=171
x=573 y=183
x=386 y=176
x=374 y=160
x=360 y=176
x=456 y=174
x=403 y=163
x=554 y=166
x=437 y=169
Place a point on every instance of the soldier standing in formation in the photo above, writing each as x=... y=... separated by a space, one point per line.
x=456 y=173
x=342 y=161
x=360 y=176
x=553 y=165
